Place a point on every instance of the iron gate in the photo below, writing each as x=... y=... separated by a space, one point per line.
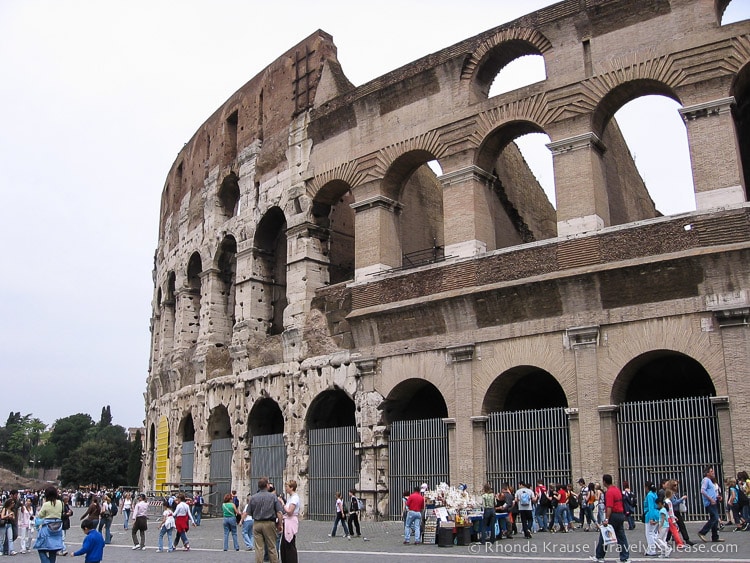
x=267 y=459
x=333 y=466
x=186 y=472
x=674 y=439
x=417 y=453
x=524 y=446
x=221 y=472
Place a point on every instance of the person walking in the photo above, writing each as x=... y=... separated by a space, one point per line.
x=247 y=526
x=710 y=498
x=105 y=520
x=198 y=503
x=25 y=516
x=353 y=520
x=49 y=538
x=340 y=516
x=267 y=512
x=614 y=515
x=650 y=517
x=182 y=518
x=66 y=515
x=93 y=512
x=543 y=505
x=628 y=502
x=229 y=512
x=93 y=544
x=167 y=525
x=525 y=499
x=291 y=524
x=140 y=525
x=127 y=506
x=415 y=506
x=8 y=514
x=680 y=509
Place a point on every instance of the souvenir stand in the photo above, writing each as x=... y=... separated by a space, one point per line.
x=451 y=512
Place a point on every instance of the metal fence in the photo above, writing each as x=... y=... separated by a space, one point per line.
x=524 y=446
x=268 y=459
x=417 y=453
x=221 y=472
x=188 y=456
x=670 y=439
x=333 y=466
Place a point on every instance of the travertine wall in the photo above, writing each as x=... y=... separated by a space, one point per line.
x=301 y=179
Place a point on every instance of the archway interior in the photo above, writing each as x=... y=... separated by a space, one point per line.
x=662 y=375
x=524 y=388
x=219 y=425
x=413 y=399
x=229 y=196
x=332 y=211
x=265 y=418
x=227 y=263
x=188 y=429
x=270 y=242
x=331 y=409
x=520 y=72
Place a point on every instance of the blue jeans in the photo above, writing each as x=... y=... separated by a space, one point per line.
x=712 y=523
x=488 y=525
x=247 y=533
x=47 y=556
x=106 y=523
x=230 y=525
x=339 y=518
x=197 y=513
x=413 y=520
x=542 y=519
x=163 y=531
x=126 y=515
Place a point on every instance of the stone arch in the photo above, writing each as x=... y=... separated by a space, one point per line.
x=186 y=428
x=226 y=263
x=661 y=374
x=331 y=409
x=494 y=53
x=741 y=112
x=332 y=211
x=228 y=196
x=219 y=423
x=154 y=388
x=265 y=418
x=412 y=183
x=192 y=306
x=270 y=269
x=413 y=399
x=720 y=7
x=524 y=387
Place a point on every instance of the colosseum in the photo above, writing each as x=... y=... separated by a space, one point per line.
x=366 y=287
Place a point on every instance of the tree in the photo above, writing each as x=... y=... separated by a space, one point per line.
x=135 y=461
x=96 y=462
x=68 y=434
x=106 y=418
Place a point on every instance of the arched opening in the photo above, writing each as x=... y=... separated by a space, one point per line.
x=630 y=197
x=414 y=185
x=521 y=211
x=741 y=114
x=527 y=405
x=229 y=196
x=161 y=471
x=270 y=266
x=266 y=438
x=520 y=72
x=220 y=461
x=667 y=424
x=187 y=432
x=169 y=315
x=152 y=453
x=332 y=211
x=417 y=440
x=193 y=298
x=333 y=464
x=732 y=11
x=227 y=264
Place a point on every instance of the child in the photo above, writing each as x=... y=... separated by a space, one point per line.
x=661 y=539
x=167 y=524
x=24 y=525
x=93 y=543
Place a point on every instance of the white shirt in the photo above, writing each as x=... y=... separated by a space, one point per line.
x=293 y=500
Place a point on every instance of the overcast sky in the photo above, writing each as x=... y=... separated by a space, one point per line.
x=98 y=97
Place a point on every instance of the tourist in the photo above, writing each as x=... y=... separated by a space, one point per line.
x=267 y=513
x=105 y=519
x=67 y=513
x=127 y=506
x=93 y=543
x=7 y=515
x=50 y=538
x=140 y=522
x=680 y=509
x=229 y=513
x=340 y=516
x=525 y=499
x=182 y=518
x=628 y=503
x=487 y=530
x=93 y=512
x=198 y=508
x=166 y=526
x=650 y=517
x=542 y=506
x=614 y=515
x=710 y=497
x=415 y=506
x=25 y=523
x=353 y=520
x=291 y=524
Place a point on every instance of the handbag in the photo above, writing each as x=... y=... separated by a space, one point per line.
x=608 y=534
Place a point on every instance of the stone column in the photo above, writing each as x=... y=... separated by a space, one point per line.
x=585 y=422
x=462 y=451
x=167 y=327
x=467 y=210
x=188 y=318
x=580 y=184
x=714 y=155
x=307 y=269
x=216 y=324
x=479 y=443
x=608 y=445
x=376 y=235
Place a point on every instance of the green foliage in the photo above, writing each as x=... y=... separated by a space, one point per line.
x=13 y=462
x=96 y=462
x=45 y=455
x=106 y=418
x=134 y=461
x=68 y=434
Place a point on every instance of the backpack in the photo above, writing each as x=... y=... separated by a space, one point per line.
x=525 y=497
x=113 y=509
x=544 y=499
x=360 y=504
x=742 y=499
x=573 y=502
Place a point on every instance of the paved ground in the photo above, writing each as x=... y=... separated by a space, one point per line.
x=385 y=543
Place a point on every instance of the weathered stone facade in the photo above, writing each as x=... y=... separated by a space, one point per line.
x=295 y=225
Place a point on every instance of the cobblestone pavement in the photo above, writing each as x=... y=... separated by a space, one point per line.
x=385 y=543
